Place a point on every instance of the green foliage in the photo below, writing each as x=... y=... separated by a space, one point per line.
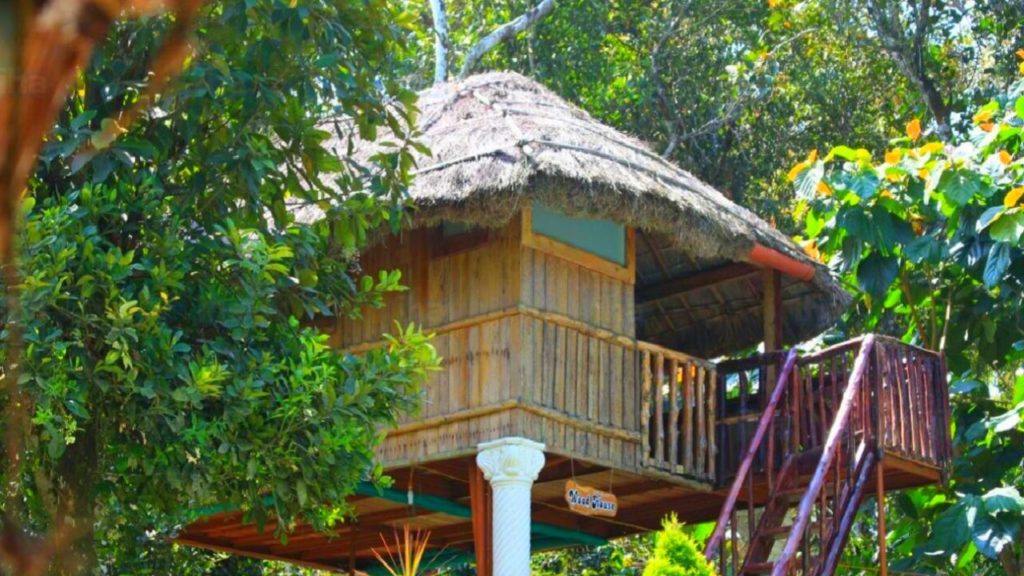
x=622 y=557
x=927 y=239
x=930 y=233
x=170 y=293
x=676 y=554
x=739 y=86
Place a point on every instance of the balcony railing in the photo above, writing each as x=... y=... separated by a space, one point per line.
x=677 y=416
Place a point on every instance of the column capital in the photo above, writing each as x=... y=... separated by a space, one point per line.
x=511 y=460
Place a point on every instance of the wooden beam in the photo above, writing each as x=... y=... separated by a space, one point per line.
x=480 y=505
x=699 y=281
x=772 y=315
x=883 y=560
x=216 y=547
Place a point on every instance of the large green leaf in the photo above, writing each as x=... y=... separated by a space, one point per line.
x=808 y=180
x=865 y=183
x=996 y=264
x=952 y=529
x=959 y=186
x=876 y=273
x=1004 y=499
x=1008 y=228
x=924 y=249
x=991 y=533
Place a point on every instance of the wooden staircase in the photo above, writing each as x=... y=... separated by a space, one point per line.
x=827 y=425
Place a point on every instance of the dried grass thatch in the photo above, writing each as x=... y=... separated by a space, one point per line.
x=500 y=141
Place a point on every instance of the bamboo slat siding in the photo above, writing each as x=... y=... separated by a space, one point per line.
x=533 y=344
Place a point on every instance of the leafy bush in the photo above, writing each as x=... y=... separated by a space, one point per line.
x=676 y=554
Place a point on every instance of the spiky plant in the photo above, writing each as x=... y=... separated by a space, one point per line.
x=404 y=556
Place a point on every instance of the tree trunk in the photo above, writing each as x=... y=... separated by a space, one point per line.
x=79 y=470
x=440 y=40
x=503 y=33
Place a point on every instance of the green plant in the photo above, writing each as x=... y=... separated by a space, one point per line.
x=405 y=555
x=929 y=239
x=676 y=554
x=171 y=283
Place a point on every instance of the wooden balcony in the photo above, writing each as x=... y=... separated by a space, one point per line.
x=907 y=408
x=871 y=413
x=589 y=393
x=664 y=431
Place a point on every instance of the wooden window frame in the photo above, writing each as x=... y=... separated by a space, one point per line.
x=586 y=259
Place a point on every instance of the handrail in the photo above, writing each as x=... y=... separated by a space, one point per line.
x=831 y=350
x=838 y=538
x=906 y=345
x=832 y=444
x=741 y=474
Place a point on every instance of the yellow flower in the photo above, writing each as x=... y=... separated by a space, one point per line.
x=811 y=249
x=887 y=193
x=987 y=126
x=1020 y=53
x=983 y=116
x=795 y=172
x=823 y=189
x=914 y=129
x=923 y=173
x=893 y=177
x=1005 y=157
x=1013 y=197
x=893 y=156
x=931 y=148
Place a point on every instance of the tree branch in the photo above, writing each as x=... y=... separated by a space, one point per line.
x=440 y=13
x=908 y=53
x=503 y=33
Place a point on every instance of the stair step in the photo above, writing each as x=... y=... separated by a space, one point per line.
x=791 y=493
x=778 y=532
x=758 y=568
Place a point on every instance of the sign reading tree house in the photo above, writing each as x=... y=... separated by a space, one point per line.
x=590 y=501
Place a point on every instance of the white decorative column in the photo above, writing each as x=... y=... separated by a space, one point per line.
x=510 y=465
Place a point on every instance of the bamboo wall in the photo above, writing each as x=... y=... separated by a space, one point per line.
x=534 y=345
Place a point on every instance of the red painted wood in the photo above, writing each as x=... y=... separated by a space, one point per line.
x=745 y=466
x=829 y=454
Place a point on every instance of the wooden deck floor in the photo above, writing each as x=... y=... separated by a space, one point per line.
x=442 y=505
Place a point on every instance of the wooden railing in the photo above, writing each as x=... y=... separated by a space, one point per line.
x=743 y=391
x=843 y=407
x=678 y=412
x=744 y=476
x=912 y=402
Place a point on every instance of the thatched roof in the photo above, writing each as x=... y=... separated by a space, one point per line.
x=500 y=141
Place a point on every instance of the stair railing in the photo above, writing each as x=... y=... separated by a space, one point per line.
x=744 y=474
x=853 y=411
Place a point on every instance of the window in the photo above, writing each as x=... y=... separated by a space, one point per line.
x=600 y=245
x=602 y=238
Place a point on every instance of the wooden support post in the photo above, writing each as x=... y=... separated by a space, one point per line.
x=352 y=552
x=480 y=505
x=883 y=562
x=772 y=318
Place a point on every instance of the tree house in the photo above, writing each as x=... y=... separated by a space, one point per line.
x=579 y=287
